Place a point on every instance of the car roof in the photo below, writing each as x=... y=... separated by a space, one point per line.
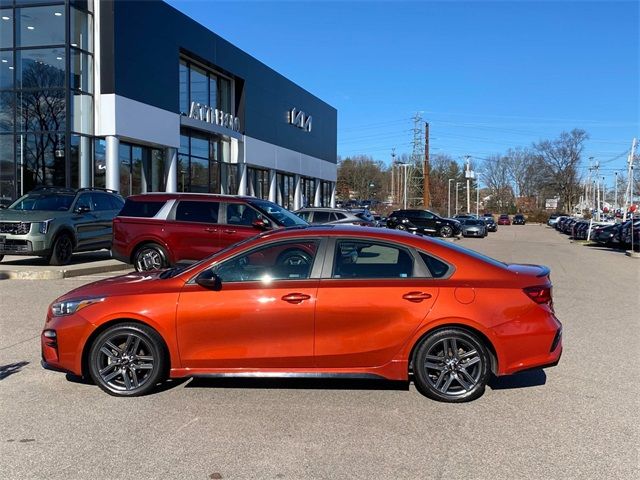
x=163 y=196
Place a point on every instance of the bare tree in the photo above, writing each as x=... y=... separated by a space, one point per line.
x=562 y=158
x=363 y=178
x=497 y=175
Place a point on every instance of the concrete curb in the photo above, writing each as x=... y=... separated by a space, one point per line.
x=632 y=254
x=61 y=273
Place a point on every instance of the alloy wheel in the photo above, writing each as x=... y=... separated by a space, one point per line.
x=453 y=366
x=125 y=361
x=148 y=258
x=446 y=232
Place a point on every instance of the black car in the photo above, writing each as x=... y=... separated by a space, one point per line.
x=492 y=226
x=424 y=222
x=518 y=219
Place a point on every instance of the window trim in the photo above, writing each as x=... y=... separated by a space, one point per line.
x=420 y=271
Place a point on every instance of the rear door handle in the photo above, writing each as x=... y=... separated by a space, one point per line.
x=296 y=297
x=416 y=297
x=210 y=229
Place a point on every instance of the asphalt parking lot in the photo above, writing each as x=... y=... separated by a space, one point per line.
x=577 y=420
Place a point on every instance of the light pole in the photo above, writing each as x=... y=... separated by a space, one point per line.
x=405 y=166
x=478 y=193
x=615 y=201
x=449 y=202
x=457 y=187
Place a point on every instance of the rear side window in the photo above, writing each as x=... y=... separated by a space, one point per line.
x=144 y=208
x=201 y=212
x=359 y=259
x=321 y=217
x=437 y=268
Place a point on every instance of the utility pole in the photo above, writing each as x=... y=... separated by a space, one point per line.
x=426 y=191
x=449 y=202
x=597 y=180
x=468 y=177
x=628 y=194
x=393 y=167
x=615 y=198
x=457 y=186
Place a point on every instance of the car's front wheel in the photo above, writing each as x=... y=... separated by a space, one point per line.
x=127 y=360
x=451 y=365
x=400 y=226
x=62 y=250
x=446 y=231
x=150 y=257
x=1 y=257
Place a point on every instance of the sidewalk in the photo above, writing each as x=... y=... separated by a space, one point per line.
x=36 y=268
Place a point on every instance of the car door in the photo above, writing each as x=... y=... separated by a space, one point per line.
x=86 y=222
x=193 y=233
x=262 y=317
x=237 y=222
x=371 y=297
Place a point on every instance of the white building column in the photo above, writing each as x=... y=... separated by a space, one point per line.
x=297 y=192
x=273 y=186
x=243 y=172
x=333 y=194
x=317 y=197
x=112 y=162
x=85 y=162
x=171 y=160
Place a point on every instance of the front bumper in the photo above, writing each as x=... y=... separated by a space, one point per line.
x=11 y=244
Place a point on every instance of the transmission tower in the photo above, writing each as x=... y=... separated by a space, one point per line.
x=415 y=173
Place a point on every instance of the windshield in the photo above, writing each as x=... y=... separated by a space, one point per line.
x=44 y=201
x=281 y=215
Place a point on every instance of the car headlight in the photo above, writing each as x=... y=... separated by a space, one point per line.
x=67 y=307
x=43 y=227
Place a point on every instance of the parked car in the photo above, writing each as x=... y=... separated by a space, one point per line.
x=472 y=227
x=580 y=229
x=607 y=235
x=492 y=226
x=321 y=215
x=158 y=230
x=364 y=214
x=423 y=222
x=504 y=219
x=553 y=218
x=625 y=232
x=464 y=216
x=53 y=223
x=244 y=312
x=518 y=219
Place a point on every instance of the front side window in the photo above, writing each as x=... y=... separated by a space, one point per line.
x=202 y=212
x=281 y=261
x=241 y=214
x=363 y=259
x=84 y=201
x=282 y=216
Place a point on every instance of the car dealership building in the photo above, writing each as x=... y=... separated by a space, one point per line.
x=137 y=97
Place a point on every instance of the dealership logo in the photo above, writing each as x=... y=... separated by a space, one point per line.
x=299 y=119
x=205 y=113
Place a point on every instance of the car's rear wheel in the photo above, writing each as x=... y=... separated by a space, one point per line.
x=127 y=360
x=150 y=256
x=446 y=232
x=451 y=365
x=62 y=250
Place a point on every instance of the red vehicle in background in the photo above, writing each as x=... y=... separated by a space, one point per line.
x=504 y=219
x=157 y=230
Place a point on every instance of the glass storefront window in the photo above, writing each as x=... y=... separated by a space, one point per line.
x=155 y=171
x=81 y=30
x=183 y=173
x=126 y=182
x=6 y=70
x=43 y=158
x=38 y=26
x=7 y=104
x=199 y=86
x=81 y=107
x=100 y=163
x=6 y=28
x=41 y=68
x=224 y=95
x=184 y=87
x=200 y=146
x=81 y=77
x=136 y=170
x=7 y=171
x=81 y=152
x=199 y=173
x=41 y=110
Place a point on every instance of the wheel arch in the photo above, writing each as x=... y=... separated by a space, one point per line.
x=65 y=229
x=462 y=326
x=165 y=252
x=110 y=323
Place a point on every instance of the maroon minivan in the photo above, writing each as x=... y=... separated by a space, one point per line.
x=158 y=230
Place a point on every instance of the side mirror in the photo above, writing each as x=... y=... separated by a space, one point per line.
x=209 y=280
x=260 y=224
x=83 y=209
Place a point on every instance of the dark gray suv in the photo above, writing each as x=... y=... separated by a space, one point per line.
x=53 y=223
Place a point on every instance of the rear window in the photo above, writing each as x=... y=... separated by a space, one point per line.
x=437 y=268
x=141 y=208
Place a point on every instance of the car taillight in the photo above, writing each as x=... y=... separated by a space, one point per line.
x=539 y=294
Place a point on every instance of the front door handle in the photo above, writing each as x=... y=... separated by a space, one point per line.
x=296 y=297
x=210 y=230
x=416 y=297
x=229 y=231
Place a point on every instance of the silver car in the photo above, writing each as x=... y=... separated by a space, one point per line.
x=474 y=228
x=321 y=215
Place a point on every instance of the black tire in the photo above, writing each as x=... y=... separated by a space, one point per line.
x=150 y=257
x=62 y=250
x=294 y=257
x=401 y=227
x=127 y=360
x=1 y=257
x=451 y=365
x=446 y=231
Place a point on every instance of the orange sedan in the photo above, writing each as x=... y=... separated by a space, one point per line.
x=315 y=301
